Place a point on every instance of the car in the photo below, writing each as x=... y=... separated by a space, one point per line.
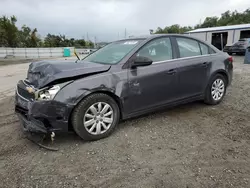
x=87 y=51
x=124 y=79
x=84 y=51
x=238 y=47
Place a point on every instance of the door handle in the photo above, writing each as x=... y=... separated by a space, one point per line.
x=171 y=71
x=205 y=64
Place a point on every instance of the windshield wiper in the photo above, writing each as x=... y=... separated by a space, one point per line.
x=76 y=56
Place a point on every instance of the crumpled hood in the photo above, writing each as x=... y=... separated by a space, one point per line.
x=42 y=73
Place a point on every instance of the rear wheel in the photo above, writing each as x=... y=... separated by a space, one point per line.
x=95 y=117
x=216 y=90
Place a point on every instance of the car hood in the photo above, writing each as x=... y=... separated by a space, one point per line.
x=42 y=73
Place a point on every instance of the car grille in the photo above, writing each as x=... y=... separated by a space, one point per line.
x=22 y=91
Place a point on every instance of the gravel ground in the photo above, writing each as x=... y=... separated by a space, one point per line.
x=192 y=145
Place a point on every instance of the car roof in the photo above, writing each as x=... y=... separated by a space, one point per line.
x=154 y=36
x=147 y=37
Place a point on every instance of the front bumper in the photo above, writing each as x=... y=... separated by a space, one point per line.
x=41 y=116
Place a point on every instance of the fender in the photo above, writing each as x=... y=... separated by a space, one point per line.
x=112 y=84
x=220 y=71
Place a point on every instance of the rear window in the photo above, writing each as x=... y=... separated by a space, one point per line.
x=212 y=51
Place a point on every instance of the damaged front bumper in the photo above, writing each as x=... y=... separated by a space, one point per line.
x=40 y=116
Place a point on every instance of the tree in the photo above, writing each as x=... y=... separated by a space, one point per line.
x=28 y=38
x=80 y=42
x=89 y=44
x=173 y=29
x=24 y=36
x=209 y=22
x=52 y=40
x=8 y=31
x=34 y=39
x=226 y=18
x=159 y=30
x=61 y=41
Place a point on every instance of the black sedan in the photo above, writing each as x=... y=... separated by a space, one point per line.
x=124 y=79
x=238 y=47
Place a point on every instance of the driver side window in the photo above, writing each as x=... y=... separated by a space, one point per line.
x=157 y=50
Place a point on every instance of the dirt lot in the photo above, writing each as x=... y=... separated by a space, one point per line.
x=193 y=145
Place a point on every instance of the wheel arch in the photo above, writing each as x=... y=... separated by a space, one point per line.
x=109 y=93
x=223 y=73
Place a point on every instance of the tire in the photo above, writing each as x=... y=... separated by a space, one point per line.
x=209 y=99
x=83 y=110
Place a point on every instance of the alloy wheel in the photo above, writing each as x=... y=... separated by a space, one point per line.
x=98 y=118
x=217 y=90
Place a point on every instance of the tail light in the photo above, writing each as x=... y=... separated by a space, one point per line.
x=230 y=59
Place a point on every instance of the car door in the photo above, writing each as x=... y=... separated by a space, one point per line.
x=193 y=66
x=156 y=84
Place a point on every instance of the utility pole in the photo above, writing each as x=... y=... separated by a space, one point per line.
x=125 y=33
x=95 y=41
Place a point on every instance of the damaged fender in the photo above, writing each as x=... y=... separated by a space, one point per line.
x=114 y=84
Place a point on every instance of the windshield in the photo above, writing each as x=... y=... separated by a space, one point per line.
x=113 y=53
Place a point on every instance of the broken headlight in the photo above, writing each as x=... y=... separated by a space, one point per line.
x=48 y=93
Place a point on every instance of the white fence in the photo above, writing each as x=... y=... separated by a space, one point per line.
x=33 y=52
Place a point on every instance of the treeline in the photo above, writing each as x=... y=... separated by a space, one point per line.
x=12 y=36
x=226 y=18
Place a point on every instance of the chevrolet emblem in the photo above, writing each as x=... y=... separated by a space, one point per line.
x=30 y=89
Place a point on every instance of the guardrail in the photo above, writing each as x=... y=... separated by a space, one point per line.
x=38 y=52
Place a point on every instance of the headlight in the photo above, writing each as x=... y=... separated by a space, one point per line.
x=48 y=93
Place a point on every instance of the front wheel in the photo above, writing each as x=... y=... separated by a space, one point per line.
x=216 y=90
x=95 y=117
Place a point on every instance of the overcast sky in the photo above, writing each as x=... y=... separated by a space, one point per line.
x=106 y=18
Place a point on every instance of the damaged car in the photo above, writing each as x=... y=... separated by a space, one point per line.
x=124 y=79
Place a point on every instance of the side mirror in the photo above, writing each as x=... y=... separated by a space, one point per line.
x=141 y=61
